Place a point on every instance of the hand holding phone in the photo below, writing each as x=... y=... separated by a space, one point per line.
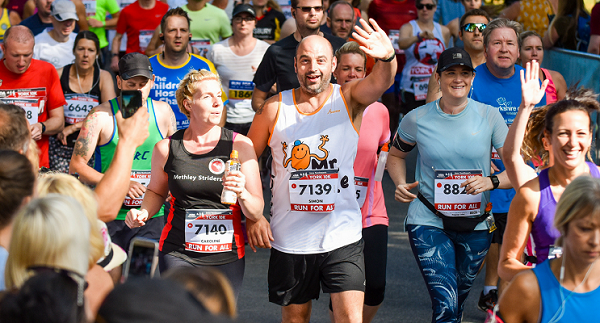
x=131 y=101
x=142 y=259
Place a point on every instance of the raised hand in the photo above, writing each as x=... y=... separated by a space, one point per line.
x=374 y=41
x=531 y=91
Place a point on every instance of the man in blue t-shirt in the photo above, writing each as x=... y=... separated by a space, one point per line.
x=498 y=84
x=171 y=66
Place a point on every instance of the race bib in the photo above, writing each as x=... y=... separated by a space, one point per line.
x=239 y=90
x=495 y=154
x=145 y=37
x=125 y=3
x=31 y=107
x=78 y=107
x=394 y=36
x=90 y=7
x=142 y=177
x=313 y=190
x=453 y=200
x=421 y=89
x=209 y=231
x=203 y=45
x=361 y=184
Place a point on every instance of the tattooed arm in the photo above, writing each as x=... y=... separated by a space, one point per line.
x=90 y=135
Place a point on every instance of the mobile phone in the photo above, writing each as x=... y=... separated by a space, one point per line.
x=131 y=101
x=142 y=259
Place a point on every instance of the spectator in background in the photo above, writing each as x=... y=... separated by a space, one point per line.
x=594 y=46
x=473 y=23
x=236 y=60
x=138 y=20
x=17 y=179
x=50 y=233
x=570 y=27
x=277 y=66
x=174 y=62
x=211 y=24
x=22 y=84
x=531 y=14
x=55 y=45
x=391 y=15
x=269 y=20
x=96 y=12
x=42 y=19
x=50 y=296
x=423 y=40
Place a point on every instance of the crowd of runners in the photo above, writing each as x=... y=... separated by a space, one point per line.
x=124 y=125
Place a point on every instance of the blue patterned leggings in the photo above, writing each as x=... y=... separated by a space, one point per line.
x=449 y=262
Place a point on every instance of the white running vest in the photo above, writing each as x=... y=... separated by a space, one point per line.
x=313 y=206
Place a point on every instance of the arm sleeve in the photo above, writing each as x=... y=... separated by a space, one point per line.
x=266 y=74
x=408 y=128
x=112 y=6
x=498 y=126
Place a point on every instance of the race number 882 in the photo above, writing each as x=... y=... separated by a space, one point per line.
x=454 y=189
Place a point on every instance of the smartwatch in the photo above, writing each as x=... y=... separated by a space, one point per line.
x=43 y=127
x=495 y=181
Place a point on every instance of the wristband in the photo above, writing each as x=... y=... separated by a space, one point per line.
x=104 y=23
x=114 y=54
x=419 y=38
x=495 y=181
x=43 y=127
x=389 y=59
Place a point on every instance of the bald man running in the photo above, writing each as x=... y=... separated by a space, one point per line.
x=316 y=220
x=33 y=85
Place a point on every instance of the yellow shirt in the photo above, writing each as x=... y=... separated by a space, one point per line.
x=534 y=15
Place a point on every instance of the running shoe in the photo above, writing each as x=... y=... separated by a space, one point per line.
x=487 y=302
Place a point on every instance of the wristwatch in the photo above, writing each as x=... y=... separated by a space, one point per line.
x=43 y=127
x=495 y=181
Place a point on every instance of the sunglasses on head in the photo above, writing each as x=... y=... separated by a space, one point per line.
x=429 y=6
x=309 y=9
x=471 y=27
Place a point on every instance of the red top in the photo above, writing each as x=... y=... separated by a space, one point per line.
x=134 y=19
x=392 y=14
x=39 y=82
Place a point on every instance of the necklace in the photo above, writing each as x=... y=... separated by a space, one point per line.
x=79 y=81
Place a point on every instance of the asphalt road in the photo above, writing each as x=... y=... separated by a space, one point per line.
x=406 y=297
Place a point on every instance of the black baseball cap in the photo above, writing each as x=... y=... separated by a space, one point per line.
x=454 y=56
x=135 y=64
x=243 y=8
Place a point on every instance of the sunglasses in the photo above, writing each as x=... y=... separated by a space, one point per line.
x=429 y=6
x=239 y=19
x=471 y=27
x=309 y=9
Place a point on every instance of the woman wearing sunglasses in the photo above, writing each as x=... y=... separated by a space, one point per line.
x=422 y=40
x=455 y=25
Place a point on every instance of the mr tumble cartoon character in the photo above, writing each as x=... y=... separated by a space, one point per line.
x=300 y=156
